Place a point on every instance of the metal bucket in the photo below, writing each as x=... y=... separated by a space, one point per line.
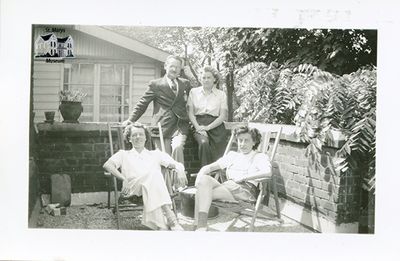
x=187 y=204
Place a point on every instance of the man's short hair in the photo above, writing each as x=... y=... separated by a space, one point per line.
x=175 y=57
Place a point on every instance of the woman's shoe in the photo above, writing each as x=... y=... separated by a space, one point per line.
x=175 y=226
x=172 y=221
x=201 y=229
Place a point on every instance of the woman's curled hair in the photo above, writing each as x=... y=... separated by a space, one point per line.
x=255 y=134
x=128 y=130
x=214 y=73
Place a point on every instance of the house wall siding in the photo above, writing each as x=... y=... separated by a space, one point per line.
x=47 y=82
x=48 y=77
x=142 y=74
x=88 y=46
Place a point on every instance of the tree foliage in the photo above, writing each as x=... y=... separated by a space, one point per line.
x=332 y=50
x=265 y=94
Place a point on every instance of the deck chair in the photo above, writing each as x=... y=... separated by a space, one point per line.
x=134 y=203
x=265 y=184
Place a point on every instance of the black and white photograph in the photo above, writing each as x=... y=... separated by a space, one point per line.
x=198 y=137
x=310 y=92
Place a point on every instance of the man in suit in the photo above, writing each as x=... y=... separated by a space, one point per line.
x=169 y=95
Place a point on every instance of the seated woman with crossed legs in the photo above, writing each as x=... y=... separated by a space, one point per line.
x=141 y=175
x=242 y=168
x=207 y=110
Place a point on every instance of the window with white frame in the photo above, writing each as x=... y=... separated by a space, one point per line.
x=114 y=92
x=107 y=88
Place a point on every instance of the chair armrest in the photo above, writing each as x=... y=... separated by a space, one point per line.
x=212 y=173
x=108 y=174
x=263 y=179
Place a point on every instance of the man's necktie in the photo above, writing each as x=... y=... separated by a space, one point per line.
x=173 y=86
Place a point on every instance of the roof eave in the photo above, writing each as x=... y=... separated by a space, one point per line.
x=123 y=41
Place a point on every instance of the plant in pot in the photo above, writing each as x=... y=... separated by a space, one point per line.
x=49 y=115
x=71 y=105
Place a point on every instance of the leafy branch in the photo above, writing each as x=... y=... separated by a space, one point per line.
x=318 y=102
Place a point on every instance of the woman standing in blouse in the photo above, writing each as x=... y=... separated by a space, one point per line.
x=207 y=110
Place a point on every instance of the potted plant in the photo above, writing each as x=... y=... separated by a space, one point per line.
x=71 y=105
x=49 y=115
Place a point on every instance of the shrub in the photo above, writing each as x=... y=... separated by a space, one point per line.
x=317 y=102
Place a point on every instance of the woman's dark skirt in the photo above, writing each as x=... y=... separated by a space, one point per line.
x=212 y=147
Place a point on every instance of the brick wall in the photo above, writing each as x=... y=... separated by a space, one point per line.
x=81 y=149
x=192 y=162
x=336 y=196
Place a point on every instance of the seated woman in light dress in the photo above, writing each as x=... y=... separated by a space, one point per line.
x=141 y=175
x=242 y=168
x=207 y=110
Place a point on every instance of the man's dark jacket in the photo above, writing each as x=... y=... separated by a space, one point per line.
x=168 y=109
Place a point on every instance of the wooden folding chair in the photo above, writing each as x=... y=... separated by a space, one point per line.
x=137 y=203
x=266 y=184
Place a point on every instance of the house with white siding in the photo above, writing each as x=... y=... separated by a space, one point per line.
x=114 y=71
x=65 y=47
x=46 y=45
